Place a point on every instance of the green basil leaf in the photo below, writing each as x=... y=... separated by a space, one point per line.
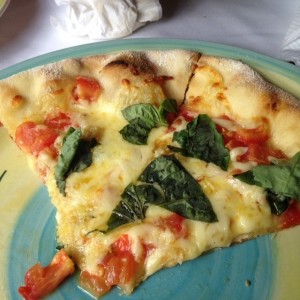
x=75 y=156
x=144 y=111
x=68 y=150
x=133 y=205
x=167 y=106
x=167 y=184
x=278 y=203
x=182 y=193
x=136 y=132
x=83 y=156
x=282 y=178
x=2 y=175
x=201 y=140
x=143 y=118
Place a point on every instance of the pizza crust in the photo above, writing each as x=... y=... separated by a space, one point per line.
x=126 y=78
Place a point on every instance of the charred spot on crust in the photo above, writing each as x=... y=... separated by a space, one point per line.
x=195 y=101
x=159 y=79
x=274 y=103
x=17 y=101
x=125 y=82
x=274 y=106
x=118 y=63
x=221 y=96
x=121 y=63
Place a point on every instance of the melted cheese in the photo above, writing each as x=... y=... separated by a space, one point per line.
x=92 y=194
x=241 y=209
x=236 y=165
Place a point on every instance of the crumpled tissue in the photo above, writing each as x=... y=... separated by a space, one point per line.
x=291 y=43
x=106 y=19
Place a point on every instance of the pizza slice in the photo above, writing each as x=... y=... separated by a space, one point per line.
x=153 y=158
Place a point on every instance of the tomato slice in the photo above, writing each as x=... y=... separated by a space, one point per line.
x=291 y=217
x=122 y=244
x=148 y=248
x=170 y=117
x=58 y=121
x=34 y=138
x=174 y=222
x=87 y=89
x=256 y=135
x=186 y=114
x=255 y=140
x=231 y=144
x=94 y=284
x=242 y=136
x=119 y=267
x=40 y=281
x=260 y=154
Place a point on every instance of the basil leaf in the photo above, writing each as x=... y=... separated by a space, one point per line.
x=136 y=132
x=146 y=112
x=133 y=205
x=282 y=179
x=83 y=156
x=167 y=106
x=201 y=140
x=75 y=156
x=143 y=118
x=68 y=150
x=2 y=175
x=182 y=193
x=278 y=203
x=168 y=185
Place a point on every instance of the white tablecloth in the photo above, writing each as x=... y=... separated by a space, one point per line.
x=257 y=25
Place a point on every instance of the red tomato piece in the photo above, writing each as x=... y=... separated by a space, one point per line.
x=118 y=267
x=174 y=222
x=34 y=138
x=256 y=135
x=291 y=217
x=260 y=154
x=148 y=249
x=231 y=144
x=170 y=117
x=40 y=281
x=254 y=139
x=186 y=115
x=94 y=284
x=122 y=244
x=228 y=136
x=87 y=89
x=59 y=121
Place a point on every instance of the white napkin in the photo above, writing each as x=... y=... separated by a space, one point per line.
x=291 y=43
x=106 y=19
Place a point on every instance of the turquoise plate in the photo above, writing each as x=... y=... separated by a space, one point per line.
x=265 y=268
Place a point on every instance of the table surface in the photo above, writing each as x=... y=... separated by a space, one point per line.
x=257 y=25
